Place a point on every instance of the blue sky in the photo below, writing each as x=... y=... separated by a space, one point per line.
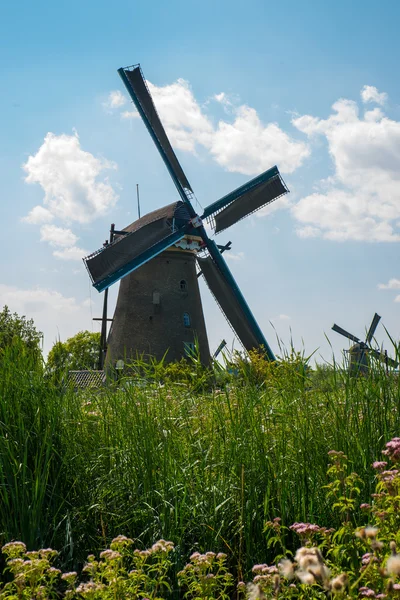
x=240 y=87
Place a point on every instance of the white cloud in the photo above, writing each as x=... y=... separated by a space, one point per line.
x=182 y=116
x=55 y=315
x=69 y=178
x=393 y=284
x=115 y=99
x=369 y=93
x=57 y=236
x=245 y=145
x=362 y=200
x=72 y=253
x=38 y=215
x=284 y=317
x=397 y=299
x=248 y=146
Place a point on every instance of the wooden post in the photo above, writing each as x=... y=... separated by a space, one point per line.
x=103 y=335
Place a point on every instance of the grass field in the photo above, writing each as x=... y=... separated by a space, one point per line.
x=203 y=468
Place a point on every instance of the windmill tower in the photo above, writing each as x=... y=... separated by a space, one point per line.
x=159 y=308
x=361 y=351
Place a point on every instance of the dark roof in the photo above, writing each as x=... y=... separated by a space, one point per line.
x=85 y=379
x=176 y=209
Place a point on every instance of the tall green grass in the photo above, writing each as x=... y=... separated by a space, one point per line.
x=203 y=469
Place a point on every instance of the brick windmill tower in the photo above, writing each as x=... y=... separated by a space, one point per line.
x=159 y=310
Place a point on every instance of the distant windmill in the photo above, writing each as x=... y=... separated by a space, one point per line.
x=159 y=308
x=360 y=351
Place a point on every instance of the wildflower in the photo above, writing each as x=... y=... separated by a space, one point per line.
x=365 y=506
x=393 y=564
x=367 y=558
x=337 y=454
x=371 y=532
x=162 y=546
x=110 y=554
x=388 y=476
x=194 y=556
x=286 y=568
x=89 y=588
x=305 y=529
x=14 y=548
x=360 y=533
x=258 y=568
x=379 y=465
x=254 y=592
x=338 y=584
x=221 y=556
x=305 y=577
x=48 y=553
x=304 y=553
x=393 y=449
x=15 y=562
x=392 y=547
x=366 y=592
x=69 y=577
x=54 y=571
x=241 y=586
x=376 y=545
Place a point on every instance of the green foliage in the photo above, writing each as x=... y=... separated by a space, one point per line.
x=78 y=352
x=205 y=467
x=362 y=563
x=14 y=329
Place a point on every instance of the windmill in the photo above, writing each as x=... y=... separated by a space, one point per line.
x=159 y=307
x=360 y=351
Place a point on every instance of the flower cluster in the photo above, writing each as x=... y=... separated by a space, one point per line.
x=393 y=449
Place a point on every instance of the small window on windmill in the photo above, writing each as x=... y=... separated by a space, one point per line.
x=183 y=285
x=189 y=348
x=156 y=298
x=186 y=319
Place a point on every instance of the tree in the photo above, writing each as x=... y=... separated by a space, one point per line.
x=14 y=328
x=77 y=353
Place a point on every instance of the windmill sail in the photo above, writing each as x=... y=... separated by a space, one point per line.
x=246 y=199
x=144 y=239
x=384 y=358
x=372 y=328
x=229 y=304
x=342 y=331
x=138 y=90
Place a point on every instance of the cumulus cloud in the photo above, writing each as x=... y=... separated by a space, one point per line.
x=244 y=145
x=57 y=236
x=72 y=253
x=69 y=177
x=60 y=237
x=57 y=316
x=393 y=284
x=284 y=317
x=115 y=99
x=38 y=215
x=362 y=200
x=182 y=116
x=369 y=93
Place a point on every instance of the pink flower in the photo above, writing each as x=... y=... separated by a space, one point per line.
x=367 y=592
x=379 y=465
